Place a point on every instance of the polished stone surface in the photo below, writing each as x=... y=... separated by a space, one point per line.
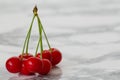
x=87 y=32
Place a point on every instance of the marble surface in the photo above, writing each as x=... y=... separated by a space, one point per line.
x=86 y=31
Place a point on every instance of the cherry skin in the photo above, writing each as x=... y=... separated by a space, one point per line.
x=56 y=56
x=24 y=70
x=14 y=64
x=33 y=64
x=46 y=67
x=45 y=55
x=25 y=56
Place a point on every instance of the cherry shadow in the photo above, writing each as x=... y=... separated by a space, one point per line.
x=55 y=74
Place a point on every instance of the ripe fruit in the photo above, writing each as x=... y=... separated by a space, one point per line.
x=14 y=64
x=24 y=70
x=46 y=67
x=45 y=55
x=33 y=64
x=56 y=56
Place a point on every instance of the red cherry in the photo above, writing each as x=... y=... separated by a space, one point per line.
x=25 y=56
x=24 y=70
x=33 y=64
x=46 y=67
x=45 y=55
x=13 y=64
x=56 y=56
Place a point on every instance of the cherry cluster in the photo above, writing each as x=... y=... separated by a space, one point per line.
x=42 y=62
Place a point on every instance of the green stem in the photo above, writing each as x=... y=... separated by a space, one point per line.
x=41 y=43
x=27 y=37
x=44 y=33
x=37 y=47
x=29 y=33
x=40 y=33
x=25 y=43
x=40 y=36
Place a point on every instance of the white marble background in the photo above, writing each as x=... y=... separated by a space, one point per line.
x=86 y=31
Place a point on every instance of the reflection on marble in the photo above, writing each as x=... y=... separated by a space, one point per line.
x=55 y=74
x=86 y=31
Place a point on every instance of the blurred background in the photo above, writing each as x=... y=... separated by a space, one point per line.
x=87 y=32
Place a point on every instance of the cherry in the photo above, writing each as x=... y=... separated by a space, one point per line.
x=45 y=55
x=56 y=56
x=25 y=56
x=24 y=70
x=33 y=64
x=13 y=64
x=46 y=67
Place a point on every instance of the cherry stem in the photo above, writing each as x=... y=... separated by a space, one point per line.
x=27 y=37
x=44 y=33
x=37 y=47
x=29 y=33
x=35 y=13
x=40 y=39
x=40 y=33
